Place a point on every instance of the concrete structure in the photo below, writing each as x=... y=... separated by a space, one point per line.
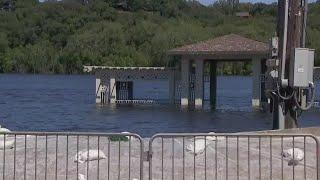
x=186 y=81
x=225 y=48
x=114 y=84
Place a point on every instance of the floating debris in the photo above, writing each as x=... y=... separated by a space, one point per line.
x=198 y=146
x=4 y=130
x=213 y=137
x=91 y=155
x=9 y=144
x=81 y=177
x=126 y=133
x=294 y=155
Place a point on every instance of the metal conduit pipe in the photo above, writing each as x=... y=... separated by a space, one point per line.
x=285 y=39
x=313 y=89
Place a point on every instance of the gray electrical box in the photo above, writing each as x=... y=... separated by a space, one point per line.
x=301 y=73
x=311 y=64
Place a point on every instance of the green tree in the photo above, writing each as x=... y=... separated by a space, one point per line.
x=62 y=36
x=4 y=46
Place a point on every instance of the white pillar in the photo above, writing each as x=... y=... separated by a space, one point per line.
x=256 y=88
x=172 y=87
x=199 y=84
x=185 y=71
x=113 y=91
x=98 y=90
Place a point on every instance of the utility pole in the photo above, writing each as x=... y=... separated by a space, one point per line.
x=293 y=41
x=293 y=64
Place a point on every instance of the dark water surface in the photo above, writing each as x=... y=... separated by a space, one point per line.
x=66 y=103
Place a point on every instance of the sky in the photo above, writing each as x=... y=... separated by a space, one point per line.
x=210 y=1
x=207 y=2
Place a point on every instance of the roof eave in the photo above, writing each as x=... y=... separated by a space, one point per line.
x=215 y=53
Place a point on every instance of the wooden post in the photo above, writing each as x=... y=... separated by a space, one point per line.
x=295 y=34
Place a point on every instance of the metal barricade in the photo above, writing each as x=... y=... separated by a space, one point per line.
x=115 y=156
x=233 y=156
x=46 y=155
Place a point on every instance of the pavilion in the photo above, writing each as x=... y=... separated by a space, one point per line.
x=230 y=47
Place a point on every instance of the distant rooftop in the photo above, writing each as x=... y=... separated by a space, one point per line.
x=243 y=14
x=231 y=44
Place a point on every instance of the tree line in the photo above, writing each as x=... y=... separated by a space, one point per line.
x=62 y=36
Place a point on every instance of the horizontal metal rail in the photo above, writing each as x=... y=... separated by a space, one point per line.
x=233 y=156
x=135 y=102
x=64 y=155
